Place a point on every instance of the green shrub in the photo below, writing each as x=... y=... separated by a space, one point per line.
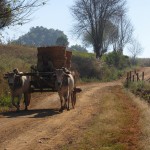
x=105 y=69
x=116 y=60
x=140 y=88
x=140 y=85
x=89 y=80
x=5 y=101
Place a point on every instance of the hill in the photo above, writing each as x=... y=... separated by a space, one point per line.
x=40 y=36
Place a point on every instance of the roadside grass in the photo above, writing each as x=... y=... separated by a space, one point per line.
x=114 y=127
x=144 y=121
x=89 y=80
x=140 y=88
x=13 y=56
x=140 y=94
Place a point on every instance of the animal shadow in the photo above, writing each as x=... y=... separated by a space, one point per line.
x=33 y=113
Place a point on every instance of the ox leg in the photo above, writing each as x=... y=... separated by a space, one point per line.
x=65 y=102
x=13 y=102
x=61 y=103
x=69 y=101
x=18 y=103
x=72 y=99
x=27 y=97
x=25 y=101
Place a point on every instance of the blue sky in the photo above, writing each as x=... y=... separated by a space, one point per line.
x=57 y=15
x=139 y=13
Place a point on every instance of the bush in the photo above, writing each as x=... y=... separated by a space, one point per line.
x=140 y=88
x=5 y=101
x=117 y=60
x=106 y=69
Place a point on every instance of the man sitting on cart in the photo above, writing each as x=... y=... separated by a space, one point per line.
x=45 y=64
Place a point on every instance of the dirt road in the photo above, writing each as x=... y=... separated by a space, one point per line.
x=44 y=128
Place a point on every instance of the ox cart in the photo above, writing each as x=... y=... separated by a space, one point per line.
x=43 y=74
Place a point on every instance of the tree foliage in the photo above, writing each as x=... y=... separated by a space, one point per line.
x=92 y=17
x=117 y=60
x=40 y=36
x=124 y=36
x=17 y=12
x=78 y=48
x=135 y=49
x=62 y=41
x=5 y=14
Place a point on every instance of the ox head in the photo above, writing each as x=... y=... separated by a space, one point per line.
x=11 y=77
x=59 y=73
x=59 y=77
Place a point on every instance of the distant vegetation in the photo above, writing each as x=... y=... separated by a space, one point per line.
x=40 y=36
x=140 y=88
x=78 y=48
x=145 y=62
x=110 y=67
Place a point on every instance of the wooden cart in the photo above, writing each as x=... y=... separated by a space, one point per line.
x=48 y=59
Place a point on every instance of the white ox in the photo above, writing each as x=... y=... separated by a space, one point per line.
x=65 y=85
x=19 y=85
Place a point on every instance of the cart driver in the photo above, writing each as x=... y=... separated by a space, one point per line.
x=45 y=64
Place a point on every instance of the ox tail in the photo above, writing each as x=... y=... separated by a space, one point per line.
x=77 y=90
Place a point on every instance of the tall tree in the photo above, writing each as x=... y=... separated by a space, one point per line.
x=125 y=31
x=109 y=37
x=92 y=16
x=14 y=12
x=135 y=49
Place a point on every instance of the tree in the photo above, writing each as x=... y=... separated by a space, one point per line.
x=125 y=31
x=92 y=16
x=17 y=12
x=4 y=17
x=110 y=35
x=62 y=41
x=135 y=49
x=78 y=48
x=116 y=60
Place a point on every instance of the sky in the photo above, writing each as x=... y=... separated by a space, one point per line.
x=57 y=15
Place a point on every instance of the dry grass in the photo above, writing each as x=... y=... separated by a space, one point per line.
x=144 y=121
x=13 y=56
x=116 y=125
x=16 y=56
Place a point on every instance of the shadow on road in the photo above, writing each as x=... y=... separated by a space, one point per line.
x=33 y=113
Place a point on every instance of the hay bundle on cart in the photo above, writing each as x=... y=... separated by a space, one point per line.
x=54 y=57
x=49 y=59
